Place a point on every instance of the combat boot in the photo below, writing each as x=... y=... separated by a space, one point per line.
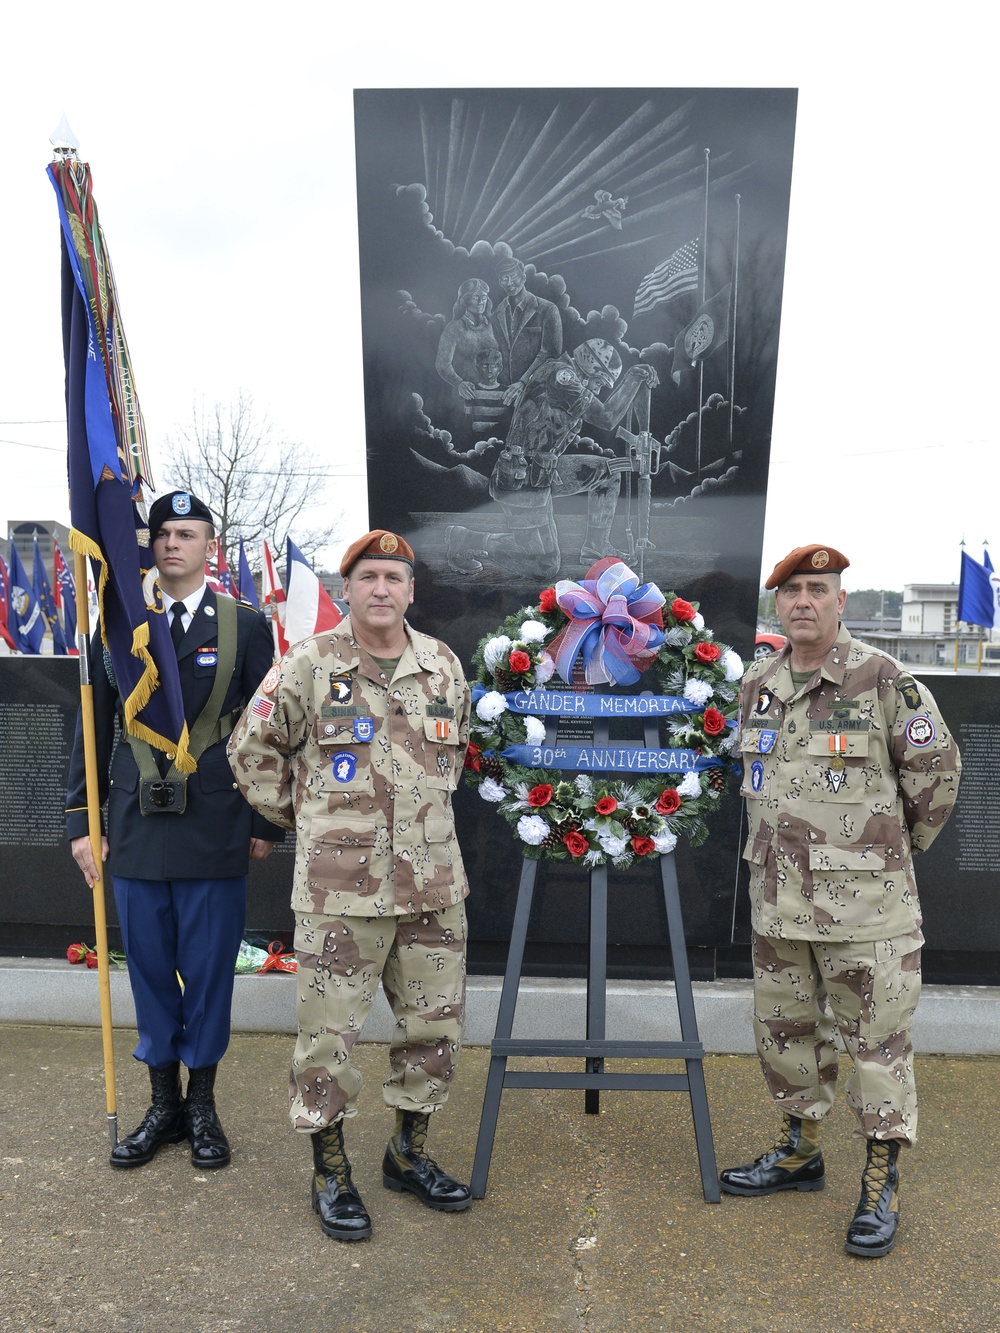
x=209 y=1145
x=342 y=1215
x=162 y=1123
x=794 y=1163
x=872 y=1232
x=460 y=544
x=406 y=1166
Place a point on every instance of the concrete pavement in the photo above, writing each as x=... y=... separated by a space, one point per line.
x=590 y=1223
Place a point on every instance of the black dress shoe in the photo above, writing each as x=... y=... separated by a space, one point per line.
x=338 y=1204
x=406 y=1166
x=162 y=1123
x=794 y=1163
x=209 y=1145
x=872 y=1232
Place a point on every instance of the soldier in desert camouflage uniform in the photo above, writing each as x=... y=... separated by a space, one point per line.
x=356 y=740
x=848 y=769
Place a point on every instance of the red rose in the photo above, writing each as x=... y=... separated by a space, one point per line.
x=519 y=661
x=607 y=805
x=540 y=795
x=76 y=953
x=547 y=600
x=643 y=846
x=576 y=843
x=681 y=610
x=713 y=723
x=669 y=801
x=472 y=757
x=708 y=652
x=91 y=959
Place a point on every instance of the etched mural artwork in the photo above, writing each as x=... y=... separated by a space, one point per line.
x=570 y=304
x=570 y=307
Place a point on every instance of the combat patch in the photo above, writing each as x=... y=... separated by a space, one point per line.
x=920 y=731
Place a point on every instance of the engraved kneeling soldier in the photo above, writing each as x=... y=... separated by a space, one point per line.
x=180 y=846
x=848 y=770
x=356 y=740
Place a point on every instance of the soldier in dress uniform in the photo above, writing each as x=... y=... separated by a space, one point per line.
x=848 y=769
x=179 y=878
x=356 y=740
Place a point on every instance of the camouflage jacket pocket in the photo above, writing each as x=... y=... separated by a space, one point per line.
x=441 y=750
x=345 y=761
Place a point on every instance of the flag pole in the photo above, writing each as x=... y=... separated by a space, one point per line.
x=94 y=828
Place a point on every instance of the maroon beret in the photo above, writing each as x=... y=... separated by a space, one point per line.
x=807 y=560
x=377 y=545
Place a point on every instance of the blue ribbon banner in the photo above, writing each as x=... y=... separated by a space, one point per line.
x=608 y=758
x=568 y=703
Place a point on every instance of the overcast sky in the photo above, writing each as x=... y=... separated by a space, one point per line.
x=221 y=142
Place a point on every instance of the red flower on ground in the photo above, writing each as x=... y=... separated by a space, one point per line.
x=713 y=722
x=643 y=846
x=519 y=661
x=473 y=757
x=669 y=801
x=76 y=953
x=91 y=959
x=540 y=795
x=681 y=610
x=607 y=805
x=708 y=652
x=576 y=843
x=547 y=600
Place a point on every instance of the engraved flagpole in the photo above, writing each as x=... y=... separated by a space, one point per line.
x=732 y=331
x=702 y=293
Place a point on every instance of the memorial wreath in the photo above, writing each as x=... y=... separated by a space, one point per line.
x=613 y=629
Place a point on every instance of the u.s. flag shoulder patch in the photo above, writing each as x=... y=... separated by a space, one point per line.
x=262 y=708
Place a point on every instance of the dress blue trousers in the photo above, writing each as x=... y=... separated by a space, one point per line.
x=192 y=927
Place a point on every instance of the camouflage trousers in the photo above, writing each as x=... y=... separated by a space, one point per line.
x=805 y=991
x=421 y=962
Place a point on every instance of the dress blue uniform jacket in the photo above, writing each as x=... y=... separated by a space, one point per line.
x=211 y=839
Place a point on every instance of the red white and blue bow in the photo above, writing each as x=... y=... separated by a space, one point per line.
x=615 y=624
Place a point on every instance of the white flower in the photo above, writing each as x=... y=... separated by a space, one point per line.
x=612 y=845
x=699 y=621
x=533 y=631
x=697 y=692
x=691 y=786
x=491 y=705
x=491 y=791
x=535 y=729
x=664 y=842
x=545 y=670
x=732 y=664
x=495 y=649
x=532 y=829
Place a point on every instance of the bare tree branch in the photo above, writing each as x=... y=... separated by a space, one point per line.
x=255 y=482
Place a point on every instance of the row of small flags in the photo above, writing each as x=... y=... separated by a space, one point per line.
x=29 y=611
x=979 y=593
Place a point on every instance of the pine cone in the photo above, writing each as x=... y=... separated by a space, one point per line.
x=564 y=826
x=717 y=778
x=551 y=841
x=491 y=766
x=629 y=823
x=505 y=681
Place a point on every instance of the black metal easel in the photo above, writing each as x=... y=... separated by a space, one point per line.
x=596 y=1048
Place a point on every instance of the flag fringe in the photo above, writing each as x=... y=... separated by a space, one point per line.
x=150 y=678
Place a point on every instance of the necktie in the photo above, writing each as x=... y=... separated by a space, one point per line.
x=177 y=623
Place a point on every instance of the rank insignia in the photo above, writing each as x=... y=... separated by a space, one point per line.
x=344 y=766
x=756 y=775
x=341 y=688
x=920 y=731
x=364 y=728
x=767 y=739
x=763 y=701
